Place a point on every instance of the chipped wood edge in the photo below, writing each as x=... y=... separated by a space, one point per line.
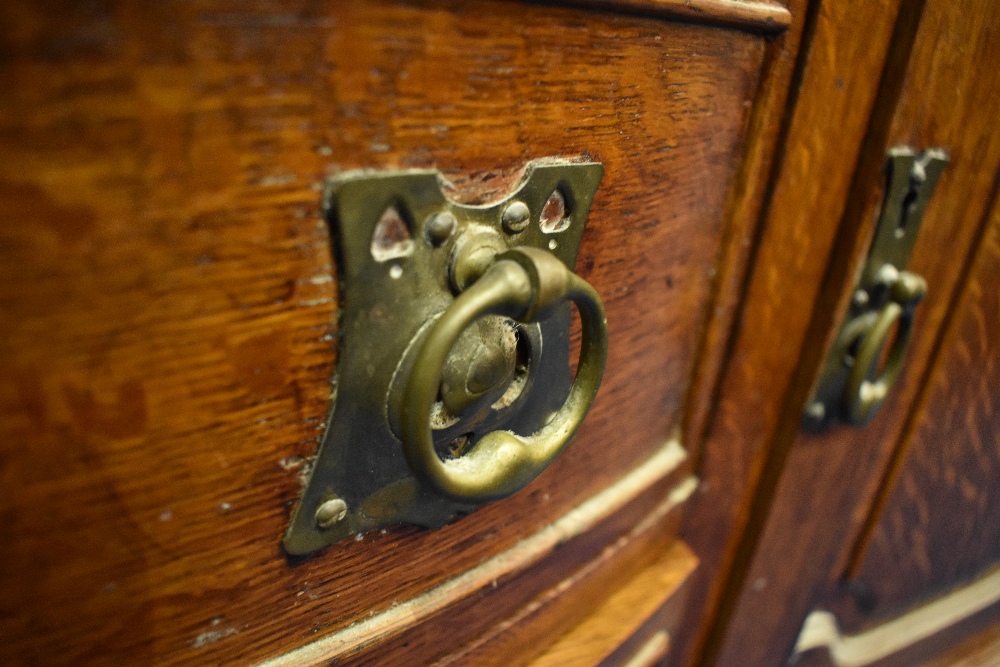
x=755 y=15
x=518 y=558
x=820 y=628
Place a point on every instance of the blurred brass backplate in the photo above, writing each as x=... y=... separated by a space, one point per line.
x=910 y=182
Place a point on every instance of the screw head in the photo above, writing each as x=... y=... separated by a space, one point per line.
x=440 y=227
x=860 y=299
x=516 y=217
x=816 y=410
x=330 y=512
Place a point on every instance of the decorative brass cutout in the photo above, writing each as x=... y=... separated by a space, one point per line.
x=852 y=387
x=453 y=385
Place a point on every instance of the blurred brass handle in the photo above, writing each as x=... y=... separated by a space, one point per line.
x=851 y=387
x=867 y=387
x=524 y=284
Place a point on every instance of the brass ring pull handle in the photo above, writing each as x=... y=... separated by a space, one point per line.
x=854 y=380
x=867 y=388
x=523 y=284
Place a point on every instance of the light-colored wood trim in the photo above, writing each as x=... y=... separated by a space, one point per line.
x=756 y=15
x=820 y=628
x=982 y=649
x=516 y=559
x=654 y=650
x=623 y=614
x=601 y=606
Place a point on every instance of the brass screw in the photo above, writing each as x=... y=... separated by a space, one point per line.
x=330 y=512
x=816 y=410
x=515 y=217
x=440 y=226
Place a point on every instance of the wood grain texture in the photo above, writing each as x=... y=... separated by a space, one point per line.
x=839 y=83
x=551 y=624
x=601 y=638
x=974 y=642
x=166 y=286
x=749 y=198
x=938 y=527
x=472 y=607
x=902 y=633
x=830 y=480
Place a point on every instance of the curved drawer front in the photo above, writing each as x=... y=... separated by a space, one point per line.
x=170 y=299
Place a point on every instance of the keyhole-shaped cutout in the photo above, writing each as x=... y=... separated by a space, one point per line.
x=909 y=202
x=392 y=237
x=555 y=213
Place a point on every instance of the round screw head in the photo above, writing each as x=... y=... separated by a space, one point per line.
x=440 y=227
x=330 y=512
x=816 y=410
x=516 y=217
x=860 y=299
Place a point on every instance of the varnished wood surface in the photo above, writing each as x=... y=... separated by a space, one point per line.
x=829 y=481
x=974 y=642
x=839 y=83
x=904 y=638
x=603 y=638
x=980 y=647
x=749 y=198
x=167 y=300
x=938 y=527
x=543 y=570
x=551 y=624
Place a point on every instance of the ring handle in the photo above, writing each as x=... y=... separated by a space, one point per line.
x=525 y=284
x=867 y=388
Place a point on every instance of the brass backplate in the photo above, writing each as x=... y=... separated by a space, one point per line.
x=910 y=181
x=394 y=235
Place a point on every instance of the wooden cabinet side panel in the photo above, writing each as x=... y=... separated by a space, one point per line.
x=830 y=480
x=749 y=198
x=801 y=209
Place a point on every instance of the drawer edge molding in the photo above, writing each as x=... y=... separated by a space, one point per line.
x=820 y=629
x=518 y=558
x=755 y=16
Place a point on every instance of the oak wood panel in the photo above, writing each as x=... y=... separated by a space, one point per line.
x=168 y=305
x=749 y=198
x=980 y=645
x=474 y=606
x=938 y=527
x=637 y=610
x=972 y=642
x=905 y=634
x=829 y=481
x=839 y=77
x=969 y=642
x=641 y=563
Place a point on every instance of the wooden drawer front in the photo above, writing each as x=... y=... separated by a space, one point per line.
x=166 y=284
